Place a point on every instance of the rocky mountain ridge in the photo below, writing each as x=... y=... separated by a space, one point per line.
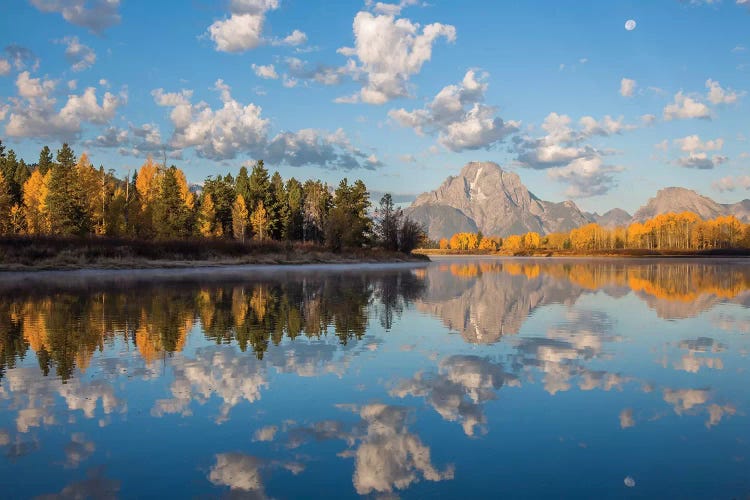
x=484 y=197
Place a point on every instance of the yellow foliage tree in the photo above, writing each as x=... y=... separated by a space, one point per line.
x=35 y=192
x=259 y=222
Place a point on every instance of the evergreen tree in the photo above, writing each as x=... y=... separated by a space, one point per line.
x=387 y=223
x=6 y=204
x=294 y=205
x=66 y=206
x=316 y=207
x=223 y=194
x=276 y=205
x=348 y=224
x=259 y=185
x=45 y=160
x=170 y=213
x=242 y=183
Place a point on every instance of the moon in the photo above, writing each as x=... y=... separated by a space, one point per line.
x=630 y=25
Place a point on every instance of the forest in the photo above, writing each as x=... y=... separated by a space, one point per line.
x=683 y=231
x=65 y=196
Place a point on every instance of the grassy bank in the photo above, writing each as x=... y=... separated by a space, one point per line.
x=623 y=252
x=25 y=253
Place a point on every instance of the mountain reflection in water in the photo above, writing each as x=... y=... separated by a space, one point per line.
x=465 y=377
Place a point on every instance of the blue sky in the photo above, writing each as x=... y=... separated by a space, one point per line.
x=398 y=94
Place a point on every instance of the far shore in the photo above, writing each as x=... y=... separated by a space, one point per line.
x=625 y=253
x=58 y=254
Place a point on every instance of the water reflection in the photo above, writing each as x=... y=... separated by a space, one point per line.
x=280 y=381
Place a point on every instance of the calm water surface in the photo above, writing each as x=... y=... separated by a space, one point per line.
x=465 y=378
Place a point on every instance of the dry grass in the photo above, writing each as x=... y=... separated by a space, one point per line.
x=45 y=253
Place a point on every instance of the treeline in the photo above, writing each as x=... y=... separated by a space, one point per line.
x=670 y=231
x=67 y=196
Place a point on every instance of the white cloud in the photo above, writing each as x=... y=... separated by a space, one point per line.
x=563 y=150
x=235 y=128
x=21 y=57
x=390 y=9
x=732 y=183
x=294 y=39
x=693 y=143
x=719 y=95
x=265 y=433
x=80 y=56
x=458 y=116
x=4 y=67
x=697 y=156
x=243 y=29
x=389 y=52
x=239 y=33
x=685 y=107
x=586 y=176
x=627 y=87
x=239 y=472
x=34 y=112
x=701 y=161
x=96 y=15
x=268 y=71
x=648 y=119
x=215 y=134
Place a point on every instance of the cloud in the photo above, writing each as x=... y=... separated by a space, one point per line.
x=570 y=159
x=732 y=183
x=314 y=147
x=34 y=112
x=388 y=456
x=683 y=400
x=627 y=87
x=685 y=107
x=458 y=117
x=697 y=156
x=215 y=134
x=80 y=56
x=294 y=39
x=323 y=74
x=265 y=433
x=267 y=72
x=235 y=129
x=719 y=95
x=389 y=52
x=239 y=472
x=390 y=9
x=626 y=418
x=96 y=15
x=243 y=29
x=4 y=67
x=586 y=177
x=21 y=57
x=693 y=143
x=460 y=389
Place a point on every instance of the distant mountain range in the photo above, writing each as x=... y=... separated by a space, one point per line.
x=484 y=197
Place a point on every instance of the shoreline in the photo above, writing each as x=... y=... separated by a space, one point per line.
x=608 y=254
x=256 y=261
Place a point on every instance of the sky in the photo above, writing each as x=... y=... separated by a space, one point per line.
x=400 y=95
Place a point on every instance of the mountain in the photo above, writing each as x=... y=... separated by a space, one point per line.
x=484 y=197
x=611 y=219
x=675 y=199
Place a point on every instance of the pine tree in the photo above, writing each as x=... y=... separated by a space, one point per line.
x=65 y=202
x=259 y=185
x=295 y=202
x=6 y=204
x=45 y=160
x=170 y=213
x=387 y=223
x=276 y=206
x=35 y=193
